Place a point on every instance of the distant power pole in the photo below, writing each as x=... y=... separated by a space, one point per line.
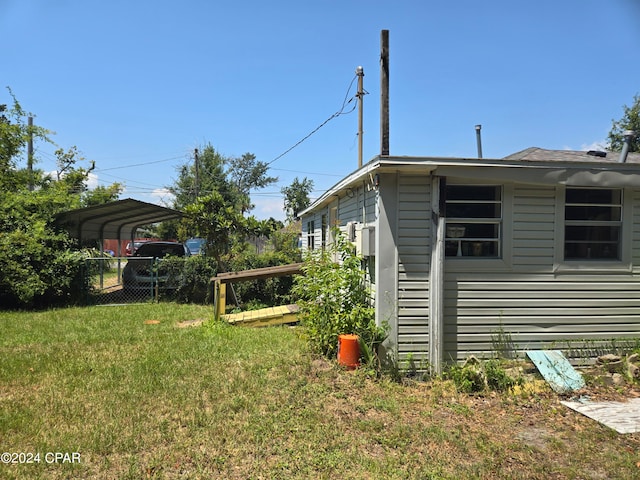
x=30 y=154
x=384 y=92
x=197 y=168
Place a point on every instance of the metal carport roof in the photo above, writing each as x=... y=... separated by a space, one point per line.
x=113 y=220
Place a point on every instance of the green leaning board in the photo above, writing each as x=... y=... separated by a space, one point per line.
x=556 y=370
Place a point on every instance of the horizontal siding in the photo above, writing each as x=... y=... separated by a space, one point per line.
x=635 y=234
x=348 y=210
x=548 y=312
x=358 y=206
x=532 y=228
x=413 y=243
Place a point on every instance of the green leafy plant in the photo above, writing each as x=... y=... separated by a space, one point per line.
x=468 y=378
x=335 y=299
x=497 y=377
x=475 y=376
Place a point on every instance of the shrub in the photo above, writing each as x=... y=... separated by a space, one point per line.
x=468 y=378
x=474 y=376
x=267 y=292
x=334 y=298
x=191 y=277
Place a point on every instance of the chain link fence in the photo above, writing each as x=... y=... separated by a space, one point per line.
x=120 y=280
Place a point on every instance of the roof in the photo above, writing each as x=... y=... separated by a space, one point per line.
x=536 y=154
x=115 y=220
x=533 y=165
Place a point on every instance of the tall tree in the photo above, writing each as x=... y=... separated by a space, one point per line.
x=73 y=176
x=247 y=174
x=296 y=197
x=14 y=136
x=101 y=195
x=207 y=177
x=629 y=121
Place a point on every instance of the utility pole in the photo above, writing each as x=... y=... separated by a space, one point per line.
x=360 y=95
x=197 y=168
x=30 y=154
x=384 y=93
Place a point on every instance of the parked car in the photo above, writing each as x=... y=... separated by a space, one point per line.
x=143 y=269
x=131 y=248
x=196 y=245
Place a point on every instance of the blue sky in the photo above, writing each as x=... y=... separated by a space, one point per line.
x=137 y=85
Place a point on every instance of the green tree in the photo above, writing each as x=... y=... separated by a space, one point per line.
x=247 y=174
x=213 y=218
x=68 y=173
x=210 y=177
x=14 y=136
x=296 y=197
x=41 y=266
x=101 y=195
x=629 y=121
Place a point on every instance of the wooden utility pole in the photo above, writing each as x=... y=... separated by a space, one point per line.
x=384 y=92
x=30 y=154
x=360 y=95
x=197 y=174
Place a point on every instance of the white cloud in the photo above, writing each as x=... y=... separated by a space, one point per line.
x=598 y=145
x=268 y=207
x=92 y=181
x=162 y=196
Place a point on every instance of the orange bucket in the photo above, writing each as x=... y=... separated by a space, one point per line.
x=348 y=351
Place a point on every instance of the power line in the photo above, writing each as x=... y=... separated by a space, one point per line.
x=140 y=164
x=307 y=173
x=337 y=114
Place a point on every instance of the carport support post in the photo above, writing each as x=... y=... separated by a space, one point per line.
x=436 y=276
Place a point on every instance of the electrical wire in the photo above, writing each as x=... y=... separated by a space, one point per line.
x=337 y=114
x=140 y=164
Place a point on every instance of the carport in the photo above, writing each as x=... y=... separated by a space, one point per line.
x=114 y=220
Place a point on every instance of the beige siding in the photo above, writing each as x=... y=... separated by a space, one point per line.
x=414 y=237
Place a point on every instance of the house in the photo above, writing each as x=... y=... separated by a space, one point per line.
x=536 y=250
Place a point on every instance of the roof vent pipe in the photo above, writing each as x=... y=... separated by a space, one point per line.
x=479 y=140
x=628 y=136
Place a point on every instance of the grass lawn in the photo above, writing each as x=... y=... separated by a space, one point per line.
x=135 y=396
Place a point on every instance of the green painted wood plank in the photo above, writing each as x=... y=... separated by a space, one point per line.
x=556 y=370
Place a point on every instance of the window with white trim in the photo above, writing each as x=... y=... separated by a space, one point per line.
x=311 y=235
x=474 y=221
x=593 y=224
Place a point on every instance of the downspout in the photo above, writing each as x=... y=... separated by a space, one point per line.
x=436 y=275
x=628 y=136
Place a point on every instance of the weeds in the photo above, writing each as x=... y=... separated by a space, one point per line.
x=476 y=376
x=150 y=400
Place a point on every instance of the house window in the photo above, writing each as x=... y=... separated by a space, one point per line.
x=593 y=224
x=311 y=235
x=323 y=232
x=474 y=221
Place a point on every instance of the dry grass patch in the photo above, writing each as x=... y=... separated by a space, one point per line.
x=139 y=401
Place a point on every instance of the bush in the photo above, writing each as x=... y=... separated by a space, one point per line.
x=191 y=278
x=39 y=269
x=474 y=376
x=266 y=292
x=334 y=298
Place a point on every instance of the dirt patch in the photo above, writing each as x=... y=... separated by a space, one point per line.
x=190 y=323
